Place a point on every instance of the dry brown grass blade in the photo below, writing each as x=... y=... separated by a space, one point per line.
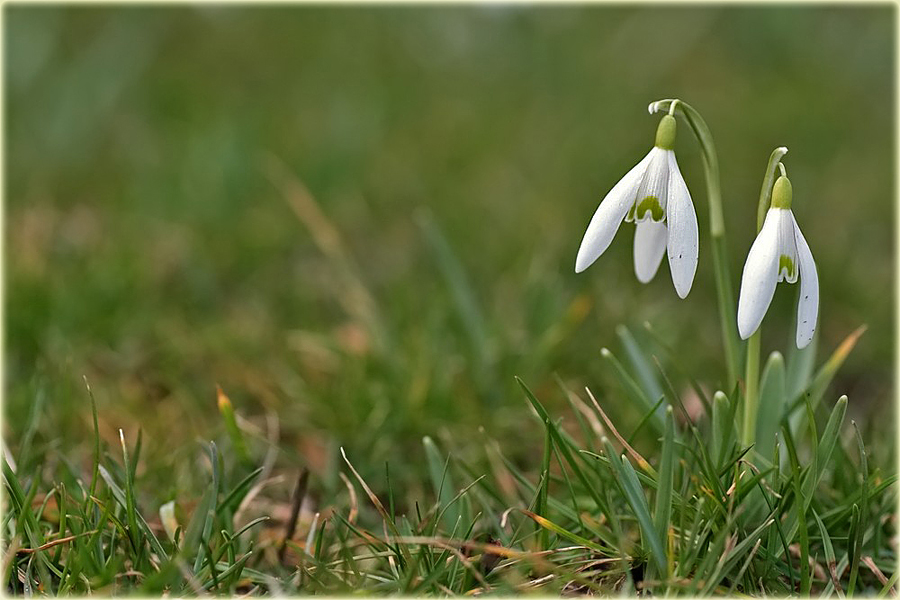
x=867 y=560
x=251 y=495
x=835 y=578
x=587 y=413
x=48 y=545
x=377 y=503
x=354 y=503
x=640 y=460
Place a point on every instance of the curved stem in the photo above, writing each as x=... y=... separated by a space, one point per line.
x=765 y=194
x=724 y=293
x=751 y=375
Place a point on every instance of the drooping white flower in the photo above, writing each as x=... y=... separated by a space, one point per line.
x=779 y=253
x=655 y=197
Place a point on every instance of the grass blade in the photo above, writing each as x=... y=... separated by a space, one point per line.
x=646 y=374
x=853 y=543
x=830 y=561
x=722 y=430
x=564 y=449
x=856 y=548
x=444 y=490
x=234 y=432
x=663 y=510
x=634 y=391
x=771 y=406
x=629 y=483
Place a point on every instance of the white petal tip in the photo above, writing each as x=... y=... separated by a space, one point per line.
x=581 y=263
x=683 y=293
x=804 y=338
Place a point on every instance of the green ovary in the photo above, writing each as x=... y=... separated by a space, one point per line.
x=785 y=262
x=652 y=204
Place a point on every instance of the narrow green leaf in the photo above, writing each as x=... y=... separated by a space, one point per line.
x=629 y=483
x=722 y=430
x=562 y=532
x=663 y=511
x=236 y=495
x=728 y=560
x=96 y=472
x=771 y=406
x=226 y=409
x=544 y=488
x=25 y=521
x=857 y=543
x=825 y=449
x=637 y=356
x=634 y=391
x=564 y=448
x=193 y=533
x=799 y=516
x=133 y=532
x=853 y=544
x=442 y=483
x=830 y=561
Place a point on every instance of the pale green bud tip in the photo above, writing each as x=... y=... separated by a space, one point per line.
x=782 y=193
x=665 y=133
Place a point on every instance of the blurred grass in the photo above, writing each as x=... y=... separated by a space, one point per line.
x=150 y=250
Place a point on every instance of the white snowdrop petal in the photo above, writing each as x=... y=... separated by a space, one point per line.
x=683 y=235
x=760 y=275
x=787 y=248
x=808 y=306
x=649 y=246
x=608 y=216
x=650 y=200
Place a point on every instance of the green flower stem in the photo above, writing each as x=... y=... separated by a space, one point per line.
x=751 y=390
x=724 y=292
x=751 y=374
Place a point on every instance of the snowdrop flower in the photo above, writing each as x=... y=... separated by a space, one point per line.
x=780 y=253
x=654 y=196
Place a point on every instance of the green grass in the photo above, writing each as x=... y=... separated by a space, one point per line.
x=361 y=224
x=721 y=521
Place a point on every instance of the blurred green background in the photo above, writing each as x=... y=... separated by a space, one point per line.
x=453 y=157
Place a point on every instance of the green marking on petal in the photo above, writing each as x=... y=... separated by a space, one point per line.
x=630 y=216
x=785 y=262
x=650 y=203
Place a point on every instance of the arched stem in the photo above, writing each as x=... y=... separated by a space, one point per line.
x=724 y=290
